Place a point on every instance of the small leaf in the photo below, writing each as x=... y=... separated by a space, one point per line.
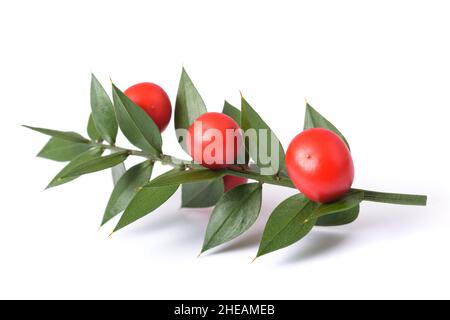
x=136 y=124
x=92 y=130
x=290 y=221
x=181 y=177
x=82 y=158
x=250 y=119
x=189 y=105
x=70 y=136
x=103 y=112
x=62 y=150
x=117 y=172
x=235 y=114
x=339 y=219
x=97 y=164
x=352 y=199
x=314 y=119
x=202 y=194
x=232 y=112
x=145 y=201
x=234 y=214
x=126 y=188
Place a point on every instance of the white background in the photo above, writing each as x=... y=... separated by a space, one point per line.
x=380 y=70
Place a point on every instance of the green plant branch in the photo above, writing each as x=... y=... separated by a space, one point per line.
x=249 y=172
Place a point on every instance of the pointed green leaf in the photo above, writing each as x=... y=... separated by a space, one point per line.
x=117 y=172
x=97 y=164
x=103 y=112
x=82 y=158
x=250 y=119
x=136 y=124
x=352 y=199
x=146 y=201
x=62 y=150
x=235 y=114
x=339 y=219
x=70 y=136
x=201 y=194
x=290 y=221
x=126 y=188
x=188 y=176
x=314 y=119
x=234 y=214
x=232 y=112
x=92 y=130
x=189 y=105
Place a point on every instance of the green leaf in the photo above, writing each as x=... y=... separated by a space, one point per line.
x=145 y=201
x=97 y=164
x=126 y=188
x=117 y=172
x=251 y=120
x=62 y=150
x=352 y=199
x=61 y=178
x=103 y=112
x=189 y=105
x=70 y=136
x=232 y=112
x=92 y=130
x=188 y=176
x=314 y=119
x=290 y=221
x=340 y=218
x=136 y=124
x=235 y=114
x=201 y=194
x=234 y=214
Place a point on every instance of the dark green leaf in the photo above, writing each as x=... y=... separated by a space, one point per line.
x=395 y=198
x=234 y=214
x=352 y=199
x=145 y=201
x=289 y=222
x=82 y=158
x=117 y=172
x=97 y=164
x=126 y=188
x=188 y=176
x=314 y=119
x=340 y=218
x=232 y=112
x=62 y=150
x=103 y=112
x=251 y=120
x=136 y=124
x=70 y=136
x=189 y=105
x=201 y=194
x=92 y=130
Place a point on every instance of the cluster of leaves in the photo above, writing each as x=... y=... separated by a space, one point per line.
x=136 y=194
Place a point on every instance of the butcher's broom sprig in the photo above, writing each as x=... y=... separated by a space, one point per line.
x=136 y=194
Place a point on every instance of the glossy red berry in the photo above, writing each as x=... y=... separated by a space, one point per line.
x=153 y=100
x=320 y=165
x=214 y=140
x=232 y=181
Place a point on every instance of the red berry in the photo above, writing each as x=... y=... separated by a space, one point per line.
x=320 y=165
x=204 y=146
x=153 y=100
x=232 y=181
